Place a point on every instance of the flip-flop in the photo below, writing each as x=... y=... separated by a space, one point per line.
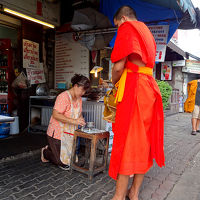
x=193 y=133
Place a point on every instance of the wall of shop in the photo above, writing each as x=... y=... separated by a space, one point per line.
x=177 y=79
x=10 y=33
x=42 y=10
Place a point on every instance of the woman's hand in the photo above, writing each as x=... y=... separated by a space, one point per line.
x=80 y=121
x=60 y=117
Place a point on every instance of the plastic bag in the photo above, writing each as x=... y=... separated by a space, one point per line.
x=110 y=106
x=21 y=81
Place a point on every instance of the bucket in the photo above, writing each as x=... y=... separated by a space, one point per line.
x=4 y=128
x=14 y=127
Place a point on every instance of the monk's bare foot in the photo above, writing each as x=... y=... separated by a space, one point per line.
x=131 y=195
x=117 y=198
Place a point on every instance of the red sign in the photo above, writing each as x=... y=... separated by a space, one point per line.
x=39 y=8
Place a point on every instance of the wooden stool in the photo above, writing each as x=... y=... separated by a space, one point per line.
x=94 y=137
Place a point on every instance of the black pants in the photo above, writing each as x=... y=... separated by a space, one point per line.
x=52 y=153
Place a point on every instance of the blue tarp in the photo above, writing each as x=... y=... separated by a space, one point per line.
x=148 y=13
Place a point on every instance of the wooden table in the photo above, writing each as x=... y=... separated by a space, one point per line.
x=95 y=138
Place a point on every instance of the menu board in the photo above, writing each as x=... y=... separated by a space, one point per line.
x=30 y=54
x=70 y=58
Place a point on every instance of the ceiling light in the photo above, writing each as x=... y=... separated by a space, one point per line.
x=27 y=17
x=95 y=70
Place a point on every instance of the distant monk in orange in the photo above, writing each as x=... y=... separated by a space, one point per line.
x=139 y=124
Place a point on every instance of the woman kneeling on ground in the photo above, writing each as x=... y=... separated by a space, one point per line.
x=66 y=116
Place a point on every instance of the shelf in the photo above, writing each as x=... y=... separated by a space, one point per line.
x=38 y=128
x=37 y=106
x=3 y=67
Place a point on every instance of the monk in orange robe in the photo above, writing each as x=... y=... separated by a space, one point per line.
x=139 y=123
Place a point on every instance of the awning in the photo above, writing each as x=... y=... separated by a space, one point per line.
x=165 y=12
x=177 y=49
x=183 y=5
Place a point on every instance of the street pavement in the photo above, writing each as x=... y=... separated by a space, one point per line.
x=24 y=177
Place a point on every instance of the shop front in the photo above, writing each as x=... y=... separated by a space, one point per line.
x=24 y=33
x=45 y=59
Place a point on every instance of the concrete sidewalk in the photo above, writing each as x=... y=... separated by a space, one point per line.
x=27 y=178
x=188 y=187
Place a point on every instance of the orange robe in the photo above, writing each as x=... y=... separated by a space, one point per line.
x=139 y=123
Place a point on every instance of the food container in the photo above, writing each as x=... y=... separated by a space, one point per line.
x=90 y=124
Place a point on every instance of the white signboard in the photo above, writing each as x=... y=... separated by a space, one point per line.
x=160 y=33
x=192 y=66
x=166 y=71
x=70 y=58
x=30 y=54
x=178 y=63
x=36 y=76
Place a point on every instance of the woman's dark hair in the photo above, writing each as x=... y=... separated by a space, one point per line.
x=81 y=80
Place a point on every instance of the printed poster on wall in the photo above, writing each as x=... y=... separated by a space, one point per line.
x=30 y=54
x=36 y=76
x=70 y=58
x=166 y=71
x=160 y=33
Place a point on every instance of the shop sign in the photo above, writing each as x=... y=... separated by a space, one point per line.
x=178 y=63
x=166 y=71
x=192 y=66
x=36 y=76
x=30 y=54
x=160 y=33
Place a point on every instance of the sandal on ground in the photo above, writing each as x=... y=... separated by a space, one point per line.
x=65 y=167
x=193 y=132
x=42 y=156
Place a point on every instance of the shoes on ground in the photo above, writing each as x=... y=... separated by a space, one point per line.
x=64 y=167
x=193 y=132
x=198 y=131
x=42 y=156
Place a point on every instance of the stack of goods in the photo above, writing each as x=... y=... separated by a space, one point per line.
x=95 y=94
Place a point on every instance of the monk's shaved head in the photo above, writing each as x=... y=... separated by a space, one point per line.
x=125 y=11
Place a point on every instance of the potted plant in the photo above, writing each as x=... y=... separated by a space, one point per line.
x=166 y=91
